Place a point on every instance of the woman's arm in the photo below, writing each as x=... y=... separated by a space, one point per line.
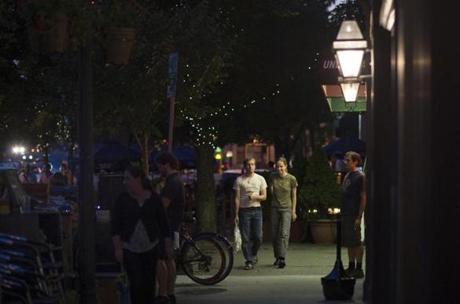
x=294 y=203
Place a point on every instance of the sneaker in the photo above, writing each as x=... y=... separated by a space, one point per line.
x=172 y=299
x=277 y=261
x=350 y=272
x=248 y=266
x=281 y=263
x=358 y=273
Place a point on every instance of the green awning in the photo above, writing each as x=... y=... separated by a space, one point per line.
x=338 y=104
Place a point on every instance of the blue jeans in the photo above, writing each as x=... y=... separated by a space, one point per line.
x=251 y=232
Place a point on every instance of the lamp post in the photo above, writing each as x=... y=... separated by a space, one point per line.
x=349 y=48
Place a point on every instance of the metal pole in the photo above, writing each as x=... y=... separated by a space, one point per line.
x=359 y=126
x=86 y=226
x=172 y=102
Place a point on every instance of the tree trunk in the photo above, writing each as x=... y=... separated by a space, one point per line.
x=206 y=197
x=143 y=142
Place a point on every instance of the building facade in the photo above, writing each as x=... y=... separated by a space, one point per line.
x=413 y=133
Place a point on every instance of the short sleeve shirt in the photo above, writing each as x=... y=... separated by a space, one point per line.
x=174 y=191
x=248 y=185
x=352 y=187
x=282 y=189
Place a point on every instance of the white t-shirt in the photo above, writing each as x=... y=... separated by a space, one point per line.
x=248 y=185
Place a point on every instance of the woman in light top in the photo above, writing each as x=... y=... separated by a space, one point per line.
x=283 y=187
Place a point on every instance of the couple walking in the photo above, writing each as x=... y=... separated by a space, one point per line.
x=250 y=190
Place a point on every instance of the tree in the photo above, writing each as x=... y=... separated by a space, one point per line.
x=278 y=75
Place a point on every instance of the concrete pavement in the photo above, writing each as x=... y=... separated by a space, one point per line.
x=299 y=282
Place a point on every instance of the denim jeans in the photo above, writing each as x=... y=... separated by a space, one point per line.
x=281 y=228
x=250 y=222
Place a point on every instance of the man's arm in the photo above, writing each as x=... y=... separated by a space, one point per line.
x=362 y=205
x=259 y=197
x=237 y=203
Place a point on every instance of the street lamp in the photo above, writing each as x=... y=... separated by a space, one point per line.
x=18 y=150
x=349 y=47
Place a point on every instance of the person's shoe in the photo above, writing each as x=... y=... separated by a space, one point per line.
x=358 y=273
x=248 y=266
x=281 y=263
x=172 y=299
x=350 y=272
x=162 y=300
x=277 y=261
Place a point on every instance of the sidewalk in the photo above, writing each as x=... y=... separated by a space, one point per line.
x=299 y=282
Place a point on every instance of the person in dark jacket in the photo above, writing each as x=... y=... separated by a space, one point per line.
x=139 y=225
x=173 y=199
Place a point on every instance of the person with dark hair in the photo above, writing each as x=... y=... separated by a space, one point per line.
x=46 y=174
x=283 y=187
x=139 y=225
x=250 y=190
x=173 y=198
x=353 y=205
x=65 y=170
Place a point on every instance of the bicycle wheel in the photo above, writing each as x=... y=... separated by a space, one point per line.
x=228 y=250
x=203 y=259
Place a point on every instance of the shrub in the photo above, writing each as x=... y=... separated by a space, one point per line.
x=319 y=190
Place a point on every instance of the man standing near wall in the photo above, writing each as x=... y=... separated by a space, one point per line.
x=353 y=205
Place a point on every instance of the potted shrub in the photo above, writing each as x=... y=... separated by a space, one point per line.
x=51 y=24
x=120 y=31
x=319 y=198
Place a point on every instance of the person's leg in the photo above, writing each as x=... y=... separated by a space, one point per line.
x=275 y=229
x=162 y=270
x=171 y=264
x=284 y=232
x=244 y=224
x=351 y=258
x=256 y=232
x=359 y=253
x=348 y=241
x=133 y=267
x=149 y=262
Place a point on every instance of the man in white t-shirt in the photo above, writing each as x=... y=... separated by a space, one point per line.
x=250 y=190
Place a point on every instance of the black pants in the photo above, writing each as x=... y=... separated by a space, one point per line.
x=141 y=268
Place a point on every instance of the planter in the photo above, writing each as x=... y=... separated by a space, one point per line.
x=119 y=44
x=298 y=231
x=58 y=35
x=323 y=231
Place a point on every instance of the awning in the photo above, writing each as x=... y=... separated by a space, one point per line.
x=337 y=103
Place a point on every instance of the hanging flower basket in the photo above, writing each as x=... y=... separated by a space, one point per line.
x=120 y=41
x=58 y=35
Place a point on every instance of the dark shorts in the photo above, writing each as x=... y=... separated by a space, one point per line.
x=161 y=252
x=351 y=237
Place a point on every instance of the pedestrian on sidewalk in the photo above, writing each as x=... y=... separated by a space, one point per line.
x=173 y=199
x=139 y=225
x=353 y=205
x=250 y=190
x=283 y=187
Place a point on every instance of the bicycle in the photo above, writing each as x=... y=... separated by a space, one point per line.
x=206 y=258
